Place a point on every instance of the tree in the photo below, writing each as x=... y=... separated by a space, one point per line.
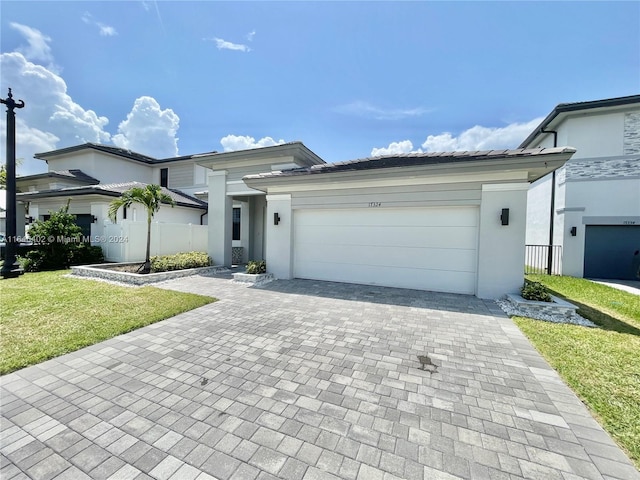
x=59 y=243
x=151 y=197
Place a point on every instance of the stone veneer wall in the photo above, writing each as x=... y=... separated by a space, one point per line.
x=631 y=140
x=602 y=168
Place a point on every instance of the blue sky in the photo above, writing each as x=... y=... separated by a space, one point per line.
x=349 y=79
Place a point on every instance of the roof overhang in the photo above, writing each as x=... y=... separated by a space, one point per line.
x=507 y=165
x=84 y=191
x=295 y=151
x=564 y=110
x=53 y=175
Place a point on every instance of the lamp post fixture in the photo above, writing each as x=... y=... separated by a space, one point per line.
x=10 y=267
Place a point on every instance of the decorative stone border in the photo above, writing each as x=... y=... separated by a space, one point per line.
x=102 y=272
x=558 y=311
x=255 y=279
x=532 y=308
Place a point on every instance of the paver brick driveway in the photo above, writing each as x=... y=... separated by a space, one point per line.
x=305 y=380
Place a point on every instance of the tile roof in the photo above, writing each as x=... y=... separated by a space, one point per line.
x=115 y=190
x=412 y=159
x=122 y=152
x=73 y=174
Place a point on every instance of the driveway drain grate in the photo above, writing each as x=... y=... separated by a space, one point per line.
x=426 y=364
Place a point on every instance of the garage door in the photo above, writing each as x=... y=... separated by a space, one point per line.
x=612 y=251
x=421 y=248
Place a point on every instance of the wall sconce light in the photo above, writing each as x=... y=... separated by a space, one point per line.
x=574 y=231
x=30 y=220
x=504 y=216
x=276 y=219
x=94 y=219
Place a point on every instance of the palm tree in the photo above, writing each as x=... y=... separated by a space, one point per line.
x=151 y=196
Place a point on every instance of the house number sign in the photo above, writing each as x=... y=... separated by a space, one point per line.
x=375 y=204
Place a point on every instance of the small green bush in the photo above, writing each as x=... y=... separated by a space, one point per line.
x=180 y=261
x=55 y=239
x=35 y=261
x=535 y=291
x=254 y=267
x=86 y=254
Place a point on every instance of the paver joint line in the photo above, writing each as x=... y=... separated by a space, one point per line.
x=304 y=380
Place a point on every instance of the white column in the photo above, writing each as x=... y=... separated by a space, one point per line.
x=501 y=247
x=220 y=219
x=279 y=237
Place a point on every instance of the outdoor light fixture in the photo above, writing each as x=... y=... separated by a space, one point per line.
x=94 y=219
x=276 y=218
x=574 y=231
x=504 y=217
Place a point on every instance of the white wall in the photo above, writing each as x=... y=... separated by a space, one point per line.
x=501 y=247
x=279 y=239
x=104 y=167
x=538 y=212
x=126 y=241
x=594 y=135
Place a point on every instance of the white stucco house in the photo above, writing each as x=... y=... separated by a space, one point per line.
x=594 y=199
x=449 y=222
x=92 y=175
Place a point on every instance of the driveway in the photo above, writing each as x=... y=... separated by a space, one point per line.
x=306 y=380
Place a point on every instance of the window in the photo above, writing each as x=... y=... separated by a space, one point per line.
x=164 y=177
x=236 y=224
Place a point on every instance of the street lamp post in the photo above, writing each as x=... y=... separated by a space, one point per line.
x=10 y=267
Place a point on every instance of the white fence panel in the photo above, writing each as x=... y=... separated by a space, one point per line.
x=126 y=241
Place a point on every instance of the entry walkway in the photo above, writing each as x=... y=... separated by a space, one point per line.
x=306 y=380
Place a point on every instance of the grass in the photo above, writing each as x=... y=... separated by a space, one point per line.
x=44 y=315
x=601 y=365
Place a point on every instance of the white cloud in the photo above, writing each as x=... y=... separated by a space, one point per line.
x=394 y=148
x=149 y=130
x=239 y=142
x=250 y=35
x=225 y=45
x=105 y=30
x=38 y=49
x=50 y=119
x=481 y=138
x=366 y=109
x=472 y=139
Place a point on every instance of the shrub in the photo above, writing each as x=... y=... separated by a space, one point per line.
x=34 y=261
x=535 y=291
x=180 y=261
x=255 y=267
x=56 y=238
x=86 y=254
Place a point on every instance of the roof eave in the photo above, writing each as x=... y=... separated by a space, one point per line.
x=537 y=166
x=564 y=109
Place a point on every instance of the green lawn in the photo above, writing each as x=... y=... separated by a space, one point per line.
x=602 y=365
x=45 y=314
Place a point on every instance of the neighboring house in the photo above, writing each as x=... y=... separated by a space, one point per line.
x=92 y=175
x=448 y=222
x=596 y=202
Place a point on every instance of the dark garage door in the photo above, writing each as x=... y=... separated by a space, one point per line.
x=612 y=251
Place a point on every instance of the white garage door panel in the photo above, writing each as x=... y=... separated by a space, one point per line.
x=444 y=281
x=423 y=248
x=431 y=258
x=385 y=235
